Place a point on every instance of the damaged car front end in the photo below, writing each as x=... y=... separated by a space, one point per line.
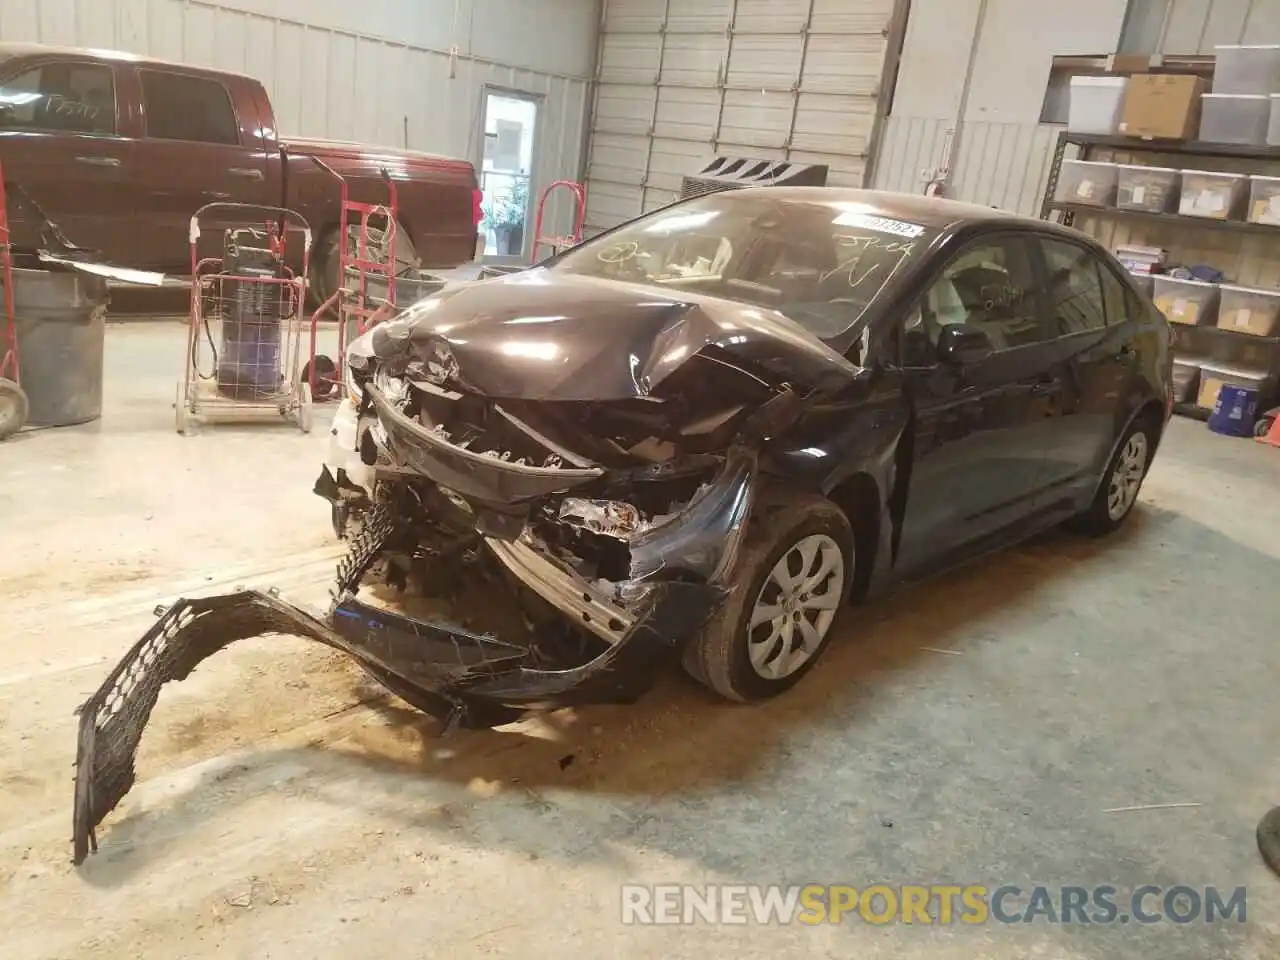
x=591 y=449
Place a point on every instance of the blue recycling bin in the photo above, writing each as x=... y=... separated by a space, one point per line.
x=1235 y=411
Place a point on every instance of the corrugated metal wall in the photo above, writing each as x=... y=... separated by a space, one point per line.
x=680 y=82
x=1196 y=26
x=1004 y=151
x=375 y=72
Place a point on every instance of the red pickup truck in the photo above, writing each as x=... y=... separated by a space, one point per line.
x=120 y=150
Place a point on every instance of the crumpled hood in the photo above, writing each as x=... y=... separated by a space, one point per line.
x=545 y=335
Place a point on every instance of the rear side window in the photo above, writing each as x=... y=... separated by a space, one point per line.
x=181 y=107
x=60 y=97
x=1076 y=299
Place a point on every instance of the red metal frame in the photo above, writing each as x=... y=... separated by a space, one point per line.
x=339 y=301
x=579 y=192
x=10 y=367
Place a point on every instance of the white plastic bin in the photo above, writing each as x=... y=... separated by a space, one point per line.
x=1212 y=194
x=1087 y=181
x=1095 y=104
x=1273 y=130
x=1185 y=372
x=1213 y=376
x=1246 y=68
x=1243 y=118
x=1153 y=189
x=1185 y=301
x=1248 y=310
x=1264 y=200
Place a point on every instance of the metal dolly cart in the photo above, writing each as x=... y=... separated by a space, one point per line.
x=256 y=304
x=556 y=243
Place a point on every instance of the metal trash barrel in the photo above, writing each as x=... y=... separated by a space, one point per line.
x=60 y=318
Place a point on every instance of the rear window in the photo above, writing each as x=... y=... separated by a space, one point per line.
x=181 y=107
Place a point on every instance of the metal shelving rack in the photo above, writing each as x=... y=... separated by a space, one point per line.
x=1200 y=342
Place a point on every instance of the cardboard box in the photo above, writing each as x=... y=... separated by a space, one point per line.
x=1162 y=107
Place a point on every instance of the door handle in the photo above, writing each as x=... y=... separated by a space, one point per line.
x=245 y=173
x=99 y=161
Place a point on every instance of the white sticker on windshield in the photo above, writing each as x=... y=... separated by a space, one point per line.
x=868 y=221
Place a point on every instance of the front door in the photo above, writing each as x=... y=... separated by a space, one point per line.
x=1093 y=359
x=981 y=429
x=60 y=142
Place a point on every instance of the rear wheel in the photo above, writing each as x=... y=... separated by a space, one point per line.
x=793 y=577
x=13 y=408
x=1122 y=481
x=324 y=279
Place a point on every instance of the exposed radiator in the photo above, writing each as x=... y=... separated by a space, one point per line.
x=734 y=173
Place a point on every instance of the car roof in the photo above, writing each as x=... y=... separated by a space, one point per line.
x=915 y=208
x=93 y=53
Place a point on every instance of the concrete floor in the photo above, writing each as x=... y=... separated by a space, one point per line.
x=284 y=811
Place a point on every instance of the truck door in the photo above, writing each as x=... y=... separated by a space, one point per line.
x=196 y=149
x=60 y=141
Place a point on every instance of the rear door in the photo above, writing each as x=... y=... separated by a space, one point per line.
x=60 y=141
x=1092 y=357
x=981 y=430
x=198 y=149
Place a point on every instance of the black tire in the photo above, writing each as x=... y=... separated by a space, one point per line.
x=1269 y=838
x=1098 y=520
x=326 y=377
x=1263 y=426
x=718 y=657
x=323 y=279
x=13 y=408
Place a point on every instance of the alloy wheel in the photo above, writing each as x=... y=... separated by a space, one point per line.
x=795 y=607
x=1126 y=476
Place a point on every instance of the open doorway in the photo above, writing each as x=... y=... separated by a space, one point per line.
x=506 y=172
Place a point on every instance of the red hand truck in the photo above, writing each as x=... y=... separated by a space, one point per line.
x=558 y=243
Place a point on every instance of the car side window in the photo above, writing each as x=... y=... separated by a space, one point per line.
x=181 y=107
x=991 y=286
x=64 y=97
x=1121 y=302
x=1077 y=301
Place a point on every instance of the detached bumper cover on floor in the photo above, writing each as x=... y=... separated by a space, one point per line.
x=464 y=679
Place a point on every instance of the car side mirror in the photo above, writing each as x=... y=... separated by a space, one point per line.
x=963 y=343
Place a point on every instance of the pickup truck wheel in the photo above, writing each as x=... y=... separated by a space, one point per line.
x=324 y=279
x=792 y=580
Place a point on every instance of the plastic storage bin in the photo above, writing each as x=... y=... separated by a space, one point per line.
x=1264 y=199
x=1185 y=372
x=1243 y=118
x=1087 y=181
x=1273 y=131
x=1246 y=69
x=1153 y=189
x=1185 y=301
x=1248 y=309
x=1095 y=104
x=1211 y=194
x=1213 y=376
x=1146 y=283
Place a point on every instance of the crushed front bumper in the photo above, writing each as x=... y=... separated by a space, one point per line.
x=462 y=678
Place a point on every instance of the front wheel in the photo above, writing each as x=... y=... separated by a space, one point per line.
x=793 y=578
x=1122 y=481
x=13 y=408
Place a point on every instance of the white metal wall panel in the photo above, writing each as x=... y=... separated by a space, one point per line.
x=679 y=83
x=1196 y=26
x=374 y=72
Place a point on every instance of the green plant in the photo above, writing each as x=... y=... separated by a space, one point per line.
x=508 y=210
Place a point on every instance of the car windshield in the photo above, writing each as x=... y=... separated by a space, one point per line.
x=820 y=262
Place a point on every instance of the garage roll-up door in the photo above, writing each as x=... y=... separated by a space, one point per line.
x=680 y=81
